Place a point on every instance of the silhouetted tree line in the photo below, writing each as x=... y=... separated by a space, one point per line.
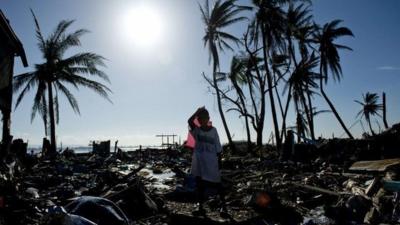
x=284 y=57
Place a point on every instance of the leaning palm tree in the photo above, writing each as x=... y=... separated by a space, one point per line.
x=57 y=72
x=370 y=107
x=221 y=15
x=330 y=59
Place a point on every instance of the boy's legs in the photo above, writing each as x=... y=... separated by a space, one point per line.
x=201 y=186
x=221 y=193
x=200 y=191
x=220 y=190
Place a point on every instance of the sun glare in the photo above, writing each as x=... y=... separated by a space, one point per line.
x=143 y=26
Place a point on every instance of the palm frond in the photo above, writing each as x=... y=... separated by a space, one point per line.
x=91 y=71
x=70 y=40
x=86 y=59
x=70 y=97
x=38 y=101
x=60 y=30
x=30 y=84
x=95 y=86
x=39 y=35
x=20 y=80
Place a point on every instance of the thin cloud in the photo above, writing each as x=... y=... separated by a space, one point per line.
x=388 y=68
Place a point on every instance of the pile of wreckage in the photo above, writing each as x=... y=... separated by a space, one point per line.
x=337 y=181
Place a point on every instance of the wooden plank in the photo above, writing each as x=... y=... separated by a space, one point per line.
x=320 y=190
x=375 y=165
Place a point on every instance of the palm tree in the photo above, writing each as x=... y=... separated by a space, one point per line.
x=221 y=15
x=370 y=107
x=298 y=20
x=300 y=82
x=330 y=59
x=56 y=72
x=269 y=24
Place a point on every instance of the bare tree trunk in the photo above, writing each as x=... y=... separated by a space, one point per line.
x=255 y=109
x=53 y=145
x=258 y=125
x=246 y=119
x=220 y=110
x=384 y=110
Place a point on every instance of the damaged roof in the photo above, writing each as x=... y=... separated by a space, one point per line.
x=7 y=32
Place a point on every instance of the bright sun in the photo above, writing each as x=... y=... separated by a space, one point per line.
x=143 y=25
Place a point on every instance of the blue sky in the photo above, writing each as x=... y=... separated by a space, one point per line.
x=156 y=88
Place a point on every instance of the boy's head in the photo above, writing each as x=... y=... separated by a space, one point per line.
x=203 y=117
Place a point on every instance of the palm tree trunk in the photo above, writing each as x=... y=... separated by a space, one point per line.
x=246 y=120
x=370 y=127
x=277 y=94
x=311 y=122
x=332 y=106
x=260 y=124
x=305 y=106
x=220 y=110
x=53 y=145
x=289 y=97
x=298 y=122
x=283 y=133
x=279 y=100
x=308 y=113
x=385 y=123
x=270 y=92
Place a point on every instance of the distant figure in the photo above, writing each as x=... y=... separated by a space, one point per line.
x=46 y=147
x=288 y=146
x=206 y=157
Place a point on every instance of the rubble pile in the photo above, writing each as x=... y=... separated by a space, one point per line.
x=154 y=186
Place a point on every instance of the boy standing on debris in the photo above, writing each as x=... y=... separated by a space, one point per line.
x=206 y=157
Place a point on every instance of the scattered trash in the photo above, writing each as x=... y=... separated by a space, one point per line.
x=335 y=181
